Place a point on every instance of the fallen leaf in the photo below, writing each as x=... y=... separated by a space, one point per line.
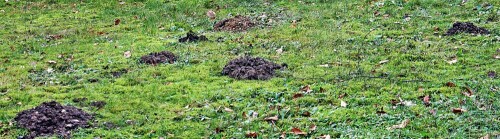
x=427 y=100
x=421 y=89
x=51 y=62
x=486 y=137
x=251 y=135
x=325 y=137
x=322 y=90
x=255 y=115
x=297 y=95
x=496 y=56
x=218 y=130
x=381 y=111
x=450 y=84
x=297 y=131
x=312 y=127
x=306 y=89
x=279 y=51
x=294 y=24
x=283 y=135
x=50 y=70
x=127 y=54
x=343 y=103
x=403 y=124
x=458 y=110
x=306 y=114
x=271 y=119
x=492 y=74
x=244 y=115
x=117 y=21
x=383 y=61
x=469 y=91
x=342 y=95
x=453 y=60
x=433 y=112
x=228 y=109
x=211 y=14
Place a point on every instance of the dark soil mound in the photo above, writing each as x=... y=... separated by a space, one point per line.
x=192 y=37
x=250 y=68
x=52 y=118
x=238 y=23
x=467 y=27
x=159 y=57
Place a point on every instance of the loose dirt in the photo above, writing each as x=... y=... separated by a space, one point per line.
x=51 y=118
x=251 y=68
x=159 y=58
x=192 y=37
x=237 y=24
x=465 y=27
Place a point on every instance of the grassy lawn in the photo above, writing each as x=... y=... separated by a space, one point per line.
x=369 y=65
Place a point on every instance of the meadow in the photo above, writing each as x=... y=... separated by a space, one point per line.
x=355 y=68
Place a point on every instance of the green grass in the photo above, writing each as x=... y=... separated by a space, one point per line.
x=187 y=99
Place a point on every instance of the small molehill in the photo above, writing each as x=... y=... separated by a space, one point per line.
x=51 y=118
x=251 y=68
x=192 y=37
x=238 y=23
x=466 y=27
x=159 y=58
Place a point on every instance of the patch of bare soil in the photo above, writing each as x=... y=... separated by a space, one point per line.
x=466 y=27
x=251 y=68
x=237 y=24
x=192 y=37
x=159 y=58
x=51 y=118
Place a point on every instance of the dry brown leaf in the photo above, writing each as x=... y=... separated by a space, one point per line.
x=251 y=135
x=244 y=115
x=322 y=90
x=211 y=14
x=312 y=127
x=255 y=114
x=433 y=112
x=496 y=56
x=383 y=61
x=228 y=109
x=403 y=124
x=306 y=89
x=52 y=62
x=117 y=21
x=450 y=84
x=469 y=91
x=306 y=114
x=325 y=137
x=427 y=99
x=486 y=137
x=458 y=110
x=297 y=95
x=271 y=119
x=453 y=60
x=343 y=103
x=297 y=131
x=283 y=135
x=279 y=51
x=127 y=54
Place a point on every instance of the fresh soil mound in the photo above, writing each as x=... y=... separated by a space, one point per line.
x=250 y=68
x=158 y=58
x=192 y=37
x=52 y=118
x=467 y=27
x=238 y=23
